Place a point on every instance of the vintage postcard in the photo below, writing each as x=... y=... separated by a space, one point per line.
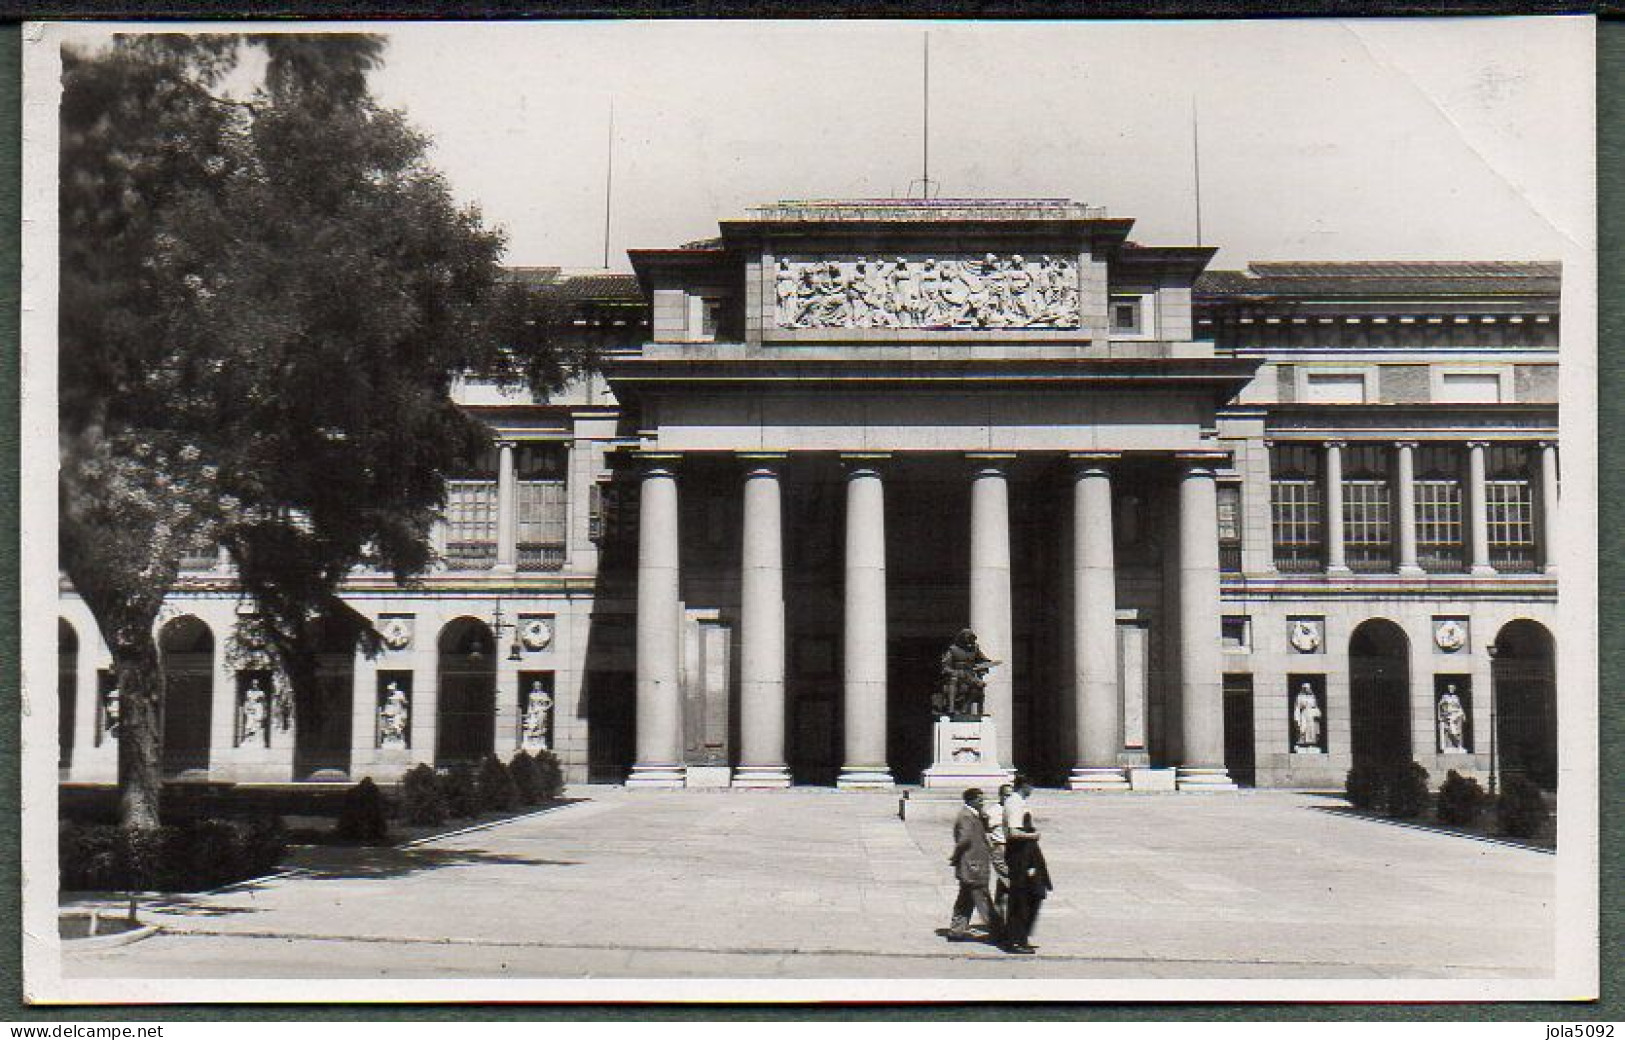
x=798 y=511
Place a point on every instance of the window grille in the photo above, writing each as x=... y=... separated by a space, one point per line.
x=1441 y=537
x=1368 y=528
x=542 y=518
x=1509 y=500
x=471 y=524
x=200 y=555
x=1297 y=508
x=1229 y=503
x=1367 y=525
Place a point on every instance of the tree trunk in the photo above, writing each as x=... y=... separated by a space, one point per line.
x=141 y=724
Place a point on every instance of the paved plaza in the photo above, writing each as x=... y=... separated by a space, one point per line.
x=814 y=883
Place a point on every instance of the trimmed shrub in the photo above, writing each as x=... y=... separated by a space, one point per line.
x=527 y=779
x=458 y=789
x=1520 y=810
x=1408 y=793
x=1461 y=799
x=423 y=804
x=1365 y=787
x=496 y=787
x=203 y=854
x=552 y=774
x=363 y=817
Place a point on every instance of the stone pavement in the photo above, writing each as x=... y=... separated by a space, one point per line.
x=815 y=883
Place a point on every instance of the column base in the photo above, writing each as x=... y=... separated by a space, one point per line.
x=1483 y=570
x=1205 y=778
x=656 y=776
x=1340 y=570
x=761 y=776
x=1094 y=778
x=1412 y=571
x=865 y=778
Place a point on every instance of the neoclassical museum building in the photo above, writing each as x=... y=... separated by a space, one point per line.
x=1218 y=527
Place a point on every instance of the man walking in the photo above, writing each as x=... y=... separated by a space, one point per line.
x=1029 y=876
x=972 y=865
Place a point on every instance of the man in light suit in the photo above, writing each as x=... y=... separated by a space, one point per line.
x=973 y=866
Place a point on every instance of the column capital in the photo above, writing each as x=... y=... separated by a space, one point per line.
x=1407 y=445
x=657 y=463
x=1093 y=463
x=1547 y=444
x=761 y=463
x=505 y=442
x=1335 y=442
x=1479 y=444
x=1200 y=463
x=858 y=463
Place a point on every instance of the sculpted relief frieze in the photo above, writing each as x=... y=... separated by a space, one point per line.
x=994 y=292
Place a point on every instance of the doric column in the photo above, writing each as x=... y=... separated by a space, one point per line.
x=507 y=509
x=864 y=666
x=1548 y=505
x=1478 y=533
x=1406 y=480
x=990 y=590
x=1201 y=681
x=761 y=629
x=659 y=690
x=1098 y=699
x=1335 y=562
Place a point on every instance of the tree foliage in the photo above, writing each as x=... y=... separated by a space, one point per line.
x=266 y=298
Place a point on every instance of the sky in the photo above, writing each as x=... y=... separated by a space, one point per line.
x=1319 y=139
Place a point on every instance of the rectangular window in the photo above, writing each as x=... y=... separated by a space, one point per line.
x=543 y=507
x=1229 y=501
x=1334 y=388
x=471 y=524
x=1509 y=499
x=1236 y=634
x=1368 y=529
x=201 y=555
x=1126 y=315
x=710 y=317
x=1296 y=508
x=1440 y=540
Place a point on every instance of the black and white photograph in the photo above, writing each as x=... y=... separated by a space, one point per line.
x=810 y=511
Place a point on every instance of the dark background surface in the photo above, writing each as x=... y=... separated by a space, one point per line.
x=1611 y=576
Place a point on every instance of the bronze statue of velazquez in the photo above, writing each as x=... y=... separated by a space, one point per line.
x=963 y=678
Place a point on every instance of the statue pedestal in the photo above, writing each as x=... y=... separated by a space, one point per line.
x=965 y=754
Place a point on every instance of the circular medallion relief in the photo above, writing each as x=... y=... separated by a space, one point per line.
x=397 y=634
x=1450 y=635
x=1305 y=636
x=536 y=634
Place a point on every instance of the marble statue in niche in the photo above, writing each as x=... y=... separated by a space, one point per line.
x=992 y=292
x=1452 y=723
x=393 y=717
x=538 y=709
x=1306 y=716
x=110 y=710
x=253 y=714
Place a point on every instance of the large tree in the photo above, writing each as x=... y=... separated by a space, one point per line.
x=266 y=296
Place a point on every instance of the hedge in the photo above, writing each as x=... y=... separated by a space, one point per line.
x=201 y=854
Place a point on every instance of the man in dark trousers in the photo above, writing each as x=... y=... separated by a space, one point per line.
x=1029 y=879
x=972 y=865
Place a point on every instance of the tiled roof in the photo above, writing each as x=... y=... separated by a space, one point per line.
x=581 y=286
x=1386 y=278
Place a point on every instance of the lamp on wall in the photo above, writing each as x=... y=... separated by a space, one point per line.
x=499 y=622
x=1494 y=652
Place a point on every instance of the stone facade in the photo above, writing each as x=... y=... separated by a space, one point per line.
x=1167 y=500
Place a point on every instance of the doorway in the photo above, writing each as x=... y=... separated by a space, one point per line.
x=465 y=716
x=186 y=656
x=1379 y=694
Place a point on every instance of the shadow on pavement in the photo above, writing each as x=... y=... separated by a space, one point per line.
x=387 y=863
x=1545 y=845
